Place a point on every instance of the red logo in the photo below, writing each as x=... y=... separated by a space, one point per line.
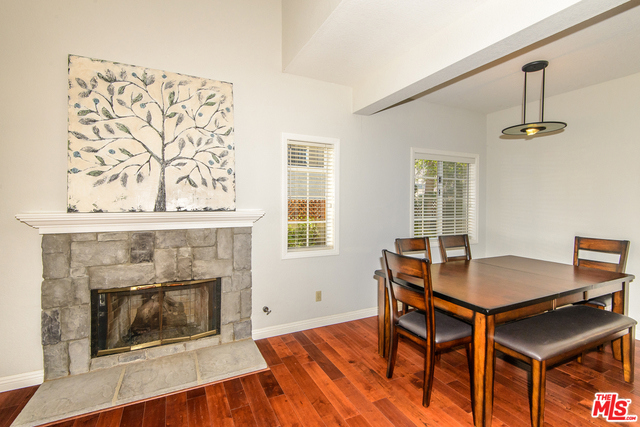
x=612 y=408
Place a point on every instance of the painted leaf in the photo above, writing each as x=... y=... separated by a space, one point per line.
x=190 y=138
x=106 y=113
x=101 y=160
x=94 y=83
x=149 y=117
x=126 y=152
x=96 y=132
x=210 y=96
x=151 y=80
x=223 y=164
x=192 y=182
x=214 y=183
x=172 y=96
x=95 y=173
x=114 y=177
x=85 y=94
x=181 y=144
x=88 y=149
x=204 y=182
x=168 y=85
x=220 y=140
x=110 y=89
x=121 y=89
x=138 y=98
x=224 y=187
x=180 y=119
x=209 y=141
x=121 y=102
x=215 y=158
x=109 y=128
x=228 y=132
x=82 y=83
x=79 y=135
x=87 y=121
x=209 y=104
x=84 y=112
x=100 y=181
x=123 y=128
x=182 y=178
x=123 y=179
x=139 y=178
x=199 y=142
x=222 y=179
x=180 y=164
x=172 y=115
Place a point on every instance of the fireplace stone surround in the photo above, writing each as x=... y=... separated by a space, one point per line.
x=141 y=250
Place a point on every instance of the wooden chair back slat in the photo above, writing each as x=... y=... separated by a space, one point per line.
x=414 y=244
x=460 y=241
x=607 y=246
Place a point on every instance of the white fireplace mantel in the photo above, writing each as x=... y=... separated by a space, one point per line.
x=61 y=223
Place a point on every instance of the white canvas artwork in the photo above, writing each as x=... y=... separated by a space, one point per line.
x=148 y=140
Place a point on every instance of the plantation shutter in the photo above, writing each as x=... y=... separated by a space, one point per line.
x=444 y=201
x=310 y=196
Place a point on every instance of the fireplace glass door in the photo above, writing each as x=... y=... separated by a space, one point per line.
x=144 y=316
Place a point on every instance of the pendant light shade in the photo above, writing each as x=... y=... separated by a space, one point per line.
x=533 y=128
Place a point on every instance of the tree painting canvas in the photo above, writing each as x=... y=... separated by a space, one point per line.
x=148 y=140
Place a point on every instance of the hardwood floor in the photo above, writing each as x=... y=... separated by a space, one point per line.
x=333 y=376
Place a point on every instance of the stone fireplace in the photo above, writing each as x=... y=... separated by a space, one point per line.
x=82 y=253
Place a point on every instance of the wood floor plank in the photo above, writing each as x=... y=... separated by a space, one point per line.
x=219 y=410
x=280 y=347
x=243 y=417
x=268 y=352
x=87 y=421
x=284 y=411
x=393 y=414
x=260 y=406
x=132 y=415
x=198 y=411
x=342 y=404
x=367 y=409
x=235 y=394
x=358 y=421
x=320 y=402
x=176 y=415
x=323 y=361
x=313 y=336
x=303 y=407
x=110 y=418
x=155 y=412
x=270 y=384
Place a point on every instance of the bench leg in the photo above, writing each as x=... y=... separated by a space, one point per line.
x=538 y=384
x=628 y=354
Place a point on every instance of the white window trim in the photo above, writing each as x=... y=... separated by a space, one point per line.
x=451 y=156
x=286 y=137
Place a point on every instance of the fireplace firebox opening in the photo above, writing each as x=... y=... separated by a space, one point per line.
x=127 y=319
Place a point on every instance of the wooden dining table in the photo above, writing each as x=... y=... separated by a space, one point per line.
x=489 y=291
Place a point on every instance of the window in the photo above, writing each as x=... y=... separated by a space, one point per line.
x=310 y=202
x=444 y=196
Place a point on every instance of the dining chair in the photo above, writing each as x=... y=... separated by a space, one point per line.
x=409 y=281
x=409 y=245
x=587 y=245
x=549 y=338
x=456 y=242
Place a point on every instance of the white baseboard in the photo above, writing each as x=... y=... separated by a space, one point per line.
x=27 y=379
x=288 y=328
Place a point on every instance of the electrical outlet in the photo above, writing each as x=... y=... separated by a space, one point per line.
x=318 y=296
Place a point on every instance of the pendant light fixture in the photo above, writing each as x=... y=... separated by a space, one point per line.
x=533 y=128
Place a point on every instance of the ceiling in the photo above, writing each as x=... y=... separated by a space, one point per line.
x=394 y=51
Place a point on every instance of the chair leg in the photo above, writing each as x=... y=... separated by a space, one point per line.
x=393 y=351
x=538 y=384
x=429 y=366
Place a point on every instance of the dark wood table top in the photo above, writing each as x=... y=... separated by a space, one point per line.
x=499 y=284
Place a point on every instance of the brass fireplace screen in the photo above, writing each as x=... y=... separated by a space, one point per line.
x=145 y=316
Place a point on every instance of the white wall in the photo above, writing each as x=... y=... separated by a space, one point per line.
x=236 y=41
x=584 y=181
